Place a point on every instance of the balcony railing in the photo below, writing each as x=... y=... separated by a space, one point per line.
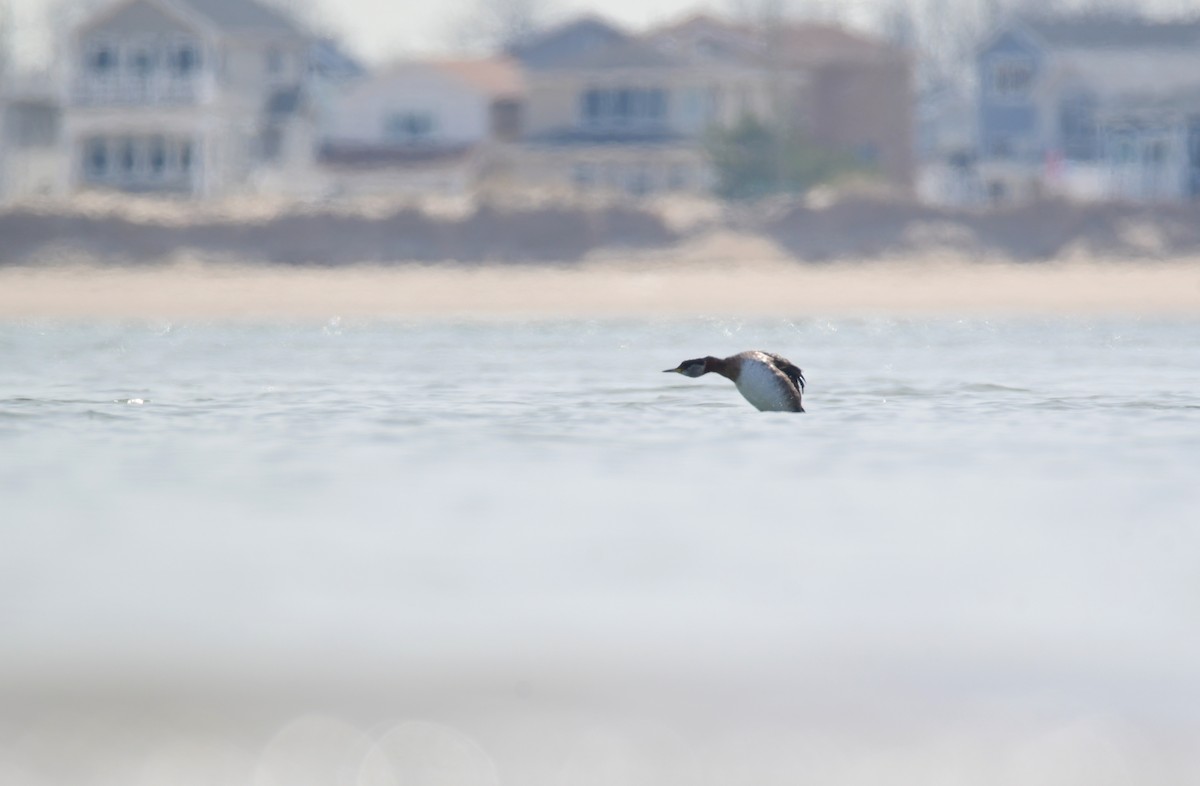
x=158 y=91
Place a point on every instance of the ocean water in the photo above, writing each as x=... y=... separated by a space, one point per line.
x=513 y=551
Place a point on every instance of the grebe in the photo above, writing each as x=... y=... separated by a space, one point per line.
x=768 y=381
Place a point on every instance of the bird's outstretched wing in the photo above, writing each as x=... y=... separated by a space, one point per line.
x=788 y=369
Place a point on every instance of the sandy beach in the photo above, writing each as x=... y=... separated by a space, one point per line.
x=643 y=287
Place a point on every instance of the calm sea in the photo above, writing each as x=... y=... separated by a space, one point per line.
x=515 y=552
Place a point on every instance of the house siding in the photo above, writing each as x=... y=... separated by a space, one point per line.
x=143 y=18
x=461 y=116
x=856 y=108
x=1009 y=123
x=553 y=104
x=159 y=103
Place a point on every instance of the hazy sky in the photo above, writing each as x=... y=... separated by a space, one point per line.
x=383 y=29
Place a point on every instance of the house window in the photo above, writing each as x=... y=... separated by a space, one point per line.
x=1012 y=78
x=656 y=104
x=95 y=157
x=1155 y=152
x=593 y=106
x=158 y=156
x=127 y=157
x=623 y=106
x=185 y=157
x=185 y=60
x=141 y=62
x=102 y=58
x=1077 y=127
x=409 y=126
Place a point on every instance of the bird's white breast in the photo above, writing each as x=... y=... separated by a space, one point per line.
x=764 y=387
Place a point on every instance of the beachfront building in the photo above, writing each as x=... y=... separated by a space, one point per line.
x=1093 y=108
x=185 y=97
x=441 y=127
x=606 y=110
x=30 y=134
x=847 y=91
x=613 y=111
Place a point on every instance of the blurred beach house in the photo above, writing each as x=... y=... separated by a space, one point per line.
x=611 y=110
x=424 y=127
x=212 y=98
x=193 y=97
x=1094 y=107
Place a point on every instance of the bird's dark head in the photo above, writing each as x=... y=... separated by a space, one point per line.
x=692 y=368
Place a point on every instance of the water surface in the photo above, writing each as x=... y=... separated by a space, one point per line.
x=976 y=553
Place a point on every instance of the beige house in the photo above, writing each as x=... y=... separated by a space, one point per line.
x=186 y=97
x=441 y=127
x=608 y=110
x=856 y=95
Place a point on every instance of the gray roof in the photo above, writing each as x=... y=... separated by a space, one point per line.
x=243 y=16
x=1113 y=32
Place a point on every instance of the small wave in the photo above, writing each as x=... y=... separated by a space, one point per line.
x=897 y=391
x=1062 y=404
x=27 y=401
x=991 y=387
x=95 y=414
x=1161 y=406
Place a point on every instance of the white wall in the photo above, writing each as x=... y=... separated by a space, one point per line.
x=246 y=64
x=359 y=115
x=1120 y=72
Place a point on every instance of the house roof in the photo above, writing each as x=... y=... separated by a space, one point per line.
x=1112 y=32
x=589 y=42
x=328 y=59
x=594 y=43
x=498 y=77
x=706 y=38
x=242 y=16
x=495 y=78
x=709 y=38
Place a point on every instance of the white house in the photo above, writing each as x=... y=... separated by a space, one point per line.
x=187 y=97
x=1092 y=107
x=430 y=126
